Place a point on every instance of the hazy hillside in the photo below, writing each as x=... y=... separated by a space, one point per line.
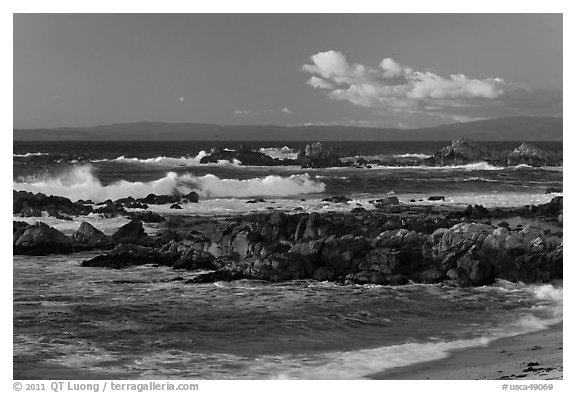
x=502 y=129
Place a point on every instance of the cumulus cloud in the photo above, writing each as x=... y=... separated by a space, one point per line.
x=286 y=111
x=396 y=89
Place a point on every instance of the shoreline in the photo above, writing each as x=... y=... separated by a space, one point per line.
x=530 y=356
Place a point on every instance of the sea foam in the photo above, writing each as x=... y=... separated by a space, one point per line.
x=168 y=161
x=81 y=183
x=283 y=153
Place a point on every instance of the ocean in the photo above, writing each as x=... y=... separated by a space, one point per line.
x=141 y=323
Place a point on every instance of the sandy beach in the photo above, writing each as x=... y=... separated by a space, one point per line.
x=533 y=356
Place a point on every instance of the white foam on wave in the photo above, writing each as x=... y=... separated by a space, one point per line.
x=354 y=364
x=283 y=153
x=170 y=161
x=81 y=183
x=30 y=154
x=477 y=166
x=421 y=156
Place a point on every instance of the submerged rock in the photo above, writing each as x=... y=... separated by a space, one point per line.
x=124 y=255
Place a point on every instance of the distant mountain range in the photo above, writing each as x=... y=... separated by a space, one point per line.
x=502 y=129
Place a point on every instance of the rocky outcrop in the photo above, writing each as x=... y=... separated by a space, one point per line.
x=152 y=199
x=337 y=199
x=527 y=154
x=315 y=156
x=312 y=156
x=244 y=156
x=28 y=204
x=92 y=238
x=132 y=233
x=40 y=239
x=460 y=152
x=377 y=246
x=463 y=152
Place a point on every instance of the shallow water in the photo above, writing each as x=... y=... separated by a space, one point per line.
x=138 y=323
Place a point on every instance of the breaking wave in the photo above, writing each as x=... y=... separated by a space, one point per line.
x=169 y=161
x=421 y=156
x=283 y=153
x=30 y=155
x=81 y=183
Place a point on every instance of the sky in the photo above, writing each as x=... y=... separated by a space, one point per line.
x=382 y=70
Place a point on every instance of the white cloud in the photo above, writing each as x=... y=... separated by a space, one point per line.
x=247 y=112
x=319 y=83
x=393 y=88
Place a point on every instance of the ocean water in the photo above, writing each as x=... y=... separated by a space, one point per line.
x=72 y=322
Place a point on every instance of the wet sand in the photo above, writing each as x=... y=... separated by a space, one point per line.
x=532 y=356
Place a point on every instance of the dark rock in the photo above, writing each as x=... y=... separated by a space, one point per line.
x=478 y=269
x=477 y=212
x=41 y=239
x=337 y=199
x=323 y=274
x=312 y=249
x=176 y=206
x=133 y=232
x=245 y=156
x=123 y=201
x=256 y=200
x=460 y=152
x=368 y=277
x=550 y=209
x=174 y=221
x=315 y=156
x=147 y=216
x=31 y=203
x=18 y=228
x=191 y=197
x=193 y=259
x=153 y=199
x=91 y=237
x=551 y=190
x=281 y=267
x=220 y=275
x=358 y=210
x=387 y=201
x=338 y=253
x=437 y=198
x=527 y=154
x=57 y=214
x=30 y=212
x=431 y=276
x=110 y=210
x=459 y=277
x=136 y=205
x=124 y=255
x=399 y=279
